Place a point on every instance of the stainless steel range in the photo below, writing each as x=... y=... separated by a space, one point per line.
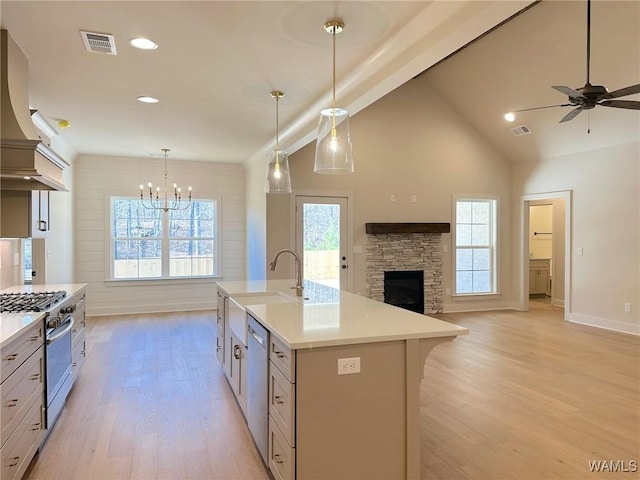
x=58 y=322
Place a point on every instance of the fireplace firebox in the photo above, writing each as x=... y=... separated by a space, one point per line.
x=405 y=289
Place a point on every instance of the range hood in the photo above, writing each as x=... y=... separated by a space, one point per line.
x=25 y=162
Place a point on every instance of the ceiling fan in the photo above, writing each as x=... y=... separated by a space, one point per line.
x=589 y=96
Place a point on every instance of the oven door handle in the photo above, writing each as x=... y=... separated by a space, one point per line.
x=50 y=340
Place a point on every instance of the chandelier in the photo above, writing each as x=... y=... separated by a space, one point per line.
x=165 y=203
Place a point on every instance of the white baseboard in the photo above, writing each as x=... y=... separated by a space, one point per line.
x=476 y=306
x=631 y=328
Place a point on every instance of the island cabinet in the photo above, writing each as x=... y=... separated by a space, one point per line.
x=78 y=337
x=220 y=328
x=365 y=425
x=22 y=396
x=238 y=371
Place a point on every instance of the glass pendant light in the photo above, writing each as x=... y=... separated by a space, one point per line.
x=334 y=152
x=278 y=178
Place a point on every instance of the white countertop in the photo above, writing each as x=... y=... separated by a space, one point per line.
x=333 y=317
x=70 y=288
x=12 y=324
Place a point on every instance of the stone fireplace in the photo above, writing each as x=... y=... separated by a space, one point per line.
x=406 y=247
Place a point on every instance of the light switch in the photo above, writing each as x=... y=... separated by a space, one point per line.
x=16 y=259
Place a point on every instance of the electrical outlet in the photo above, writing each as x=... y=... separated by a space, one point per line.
x=627 y=307
x=393 y=199
x=447 y=291
x=348 y=366
x=414 y=198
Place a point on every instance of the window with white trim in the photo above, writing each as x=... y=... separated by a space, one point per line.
x=475 y=246
x=154 y=244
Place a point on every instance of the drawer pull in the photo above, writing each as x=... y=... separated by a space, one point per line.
x=36 y=426
x=14 y=461
x=279 y=354
x=236 y=352
x=35 y=338
x=278 y=399
x=35 y=377
x=12 y=357
x=12 y=403
x=74 y=330
x=74 y=364
x=277 y=458
x=83 y=353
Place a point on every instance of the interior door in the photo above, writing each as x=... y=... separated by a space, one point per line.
x=322 y=237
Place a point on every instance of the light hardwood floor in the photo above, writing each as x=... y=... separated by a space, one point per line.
x=524 y=396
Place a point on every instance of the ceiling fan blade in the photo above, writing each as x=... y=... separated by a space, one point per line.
x=570 y=92
x=571 y=114
x=545 y=106
x=623 y=92
x=630 y=104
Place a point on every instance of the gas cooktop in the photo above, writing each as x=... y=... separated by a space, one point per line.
x=30 y=302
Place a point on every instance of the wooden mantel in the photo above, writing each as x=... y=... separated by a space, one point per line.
x=382 y=228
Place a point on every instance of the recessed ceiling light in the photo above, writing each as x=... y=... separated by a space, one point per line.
x=509 y=116
x=147 y=99
x=143 y=43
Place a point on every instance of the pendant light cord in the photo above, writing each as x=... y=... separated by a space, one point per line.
x=277 y=128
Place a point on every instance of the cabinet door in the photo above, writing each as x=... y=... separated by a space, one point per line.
x=227 y=353
x=40 y=211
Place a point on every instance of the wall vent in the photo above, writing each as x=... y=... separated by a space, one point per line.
x=99 y=42
x=521 y=130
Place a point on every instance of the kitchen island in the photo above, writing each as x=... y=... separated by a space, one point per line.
x=344 y=379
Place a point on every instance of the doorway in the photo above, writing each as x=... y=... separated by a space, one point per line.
x=321 y=235
x=546 y=249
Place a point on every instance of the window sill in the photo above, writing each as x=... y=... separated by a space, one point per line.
x=471 y=297
x=159 y=281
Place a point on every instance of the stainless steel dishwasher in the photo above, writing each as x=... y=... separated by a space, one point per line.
x=258 y=385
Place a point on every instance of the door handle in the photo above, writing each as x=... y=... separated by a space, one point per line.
x=344 y=267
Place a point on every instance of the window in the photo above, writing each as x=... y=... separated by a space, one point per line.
x=153 y=244
x=27 y=260
x=475 y=250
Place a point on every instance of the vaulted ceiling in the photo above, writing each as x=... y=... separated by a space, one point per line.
x=218 y=61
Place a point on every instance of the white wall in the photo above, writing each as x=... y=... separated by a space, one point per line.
x=605 y=214
x=256 y=220
x=410 y=142
x=97 y=178
x=58 y=246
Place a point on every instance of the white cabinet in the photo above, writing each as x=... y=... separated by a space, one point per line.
x=539 y=276
x=78 y=337
x=22 y=397
x=25 y=214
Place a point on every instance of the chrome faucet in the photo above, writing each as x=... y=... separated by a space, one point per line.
x=272 y=267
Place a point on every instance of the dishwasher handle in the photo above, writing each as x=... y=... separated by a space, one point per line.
x=255 y=336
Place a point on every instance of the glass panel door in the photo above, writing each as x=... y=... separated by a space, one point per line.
x=321 y=237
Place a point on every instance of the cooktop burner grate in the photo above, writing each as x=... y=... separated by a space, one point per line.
x=30 y=302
